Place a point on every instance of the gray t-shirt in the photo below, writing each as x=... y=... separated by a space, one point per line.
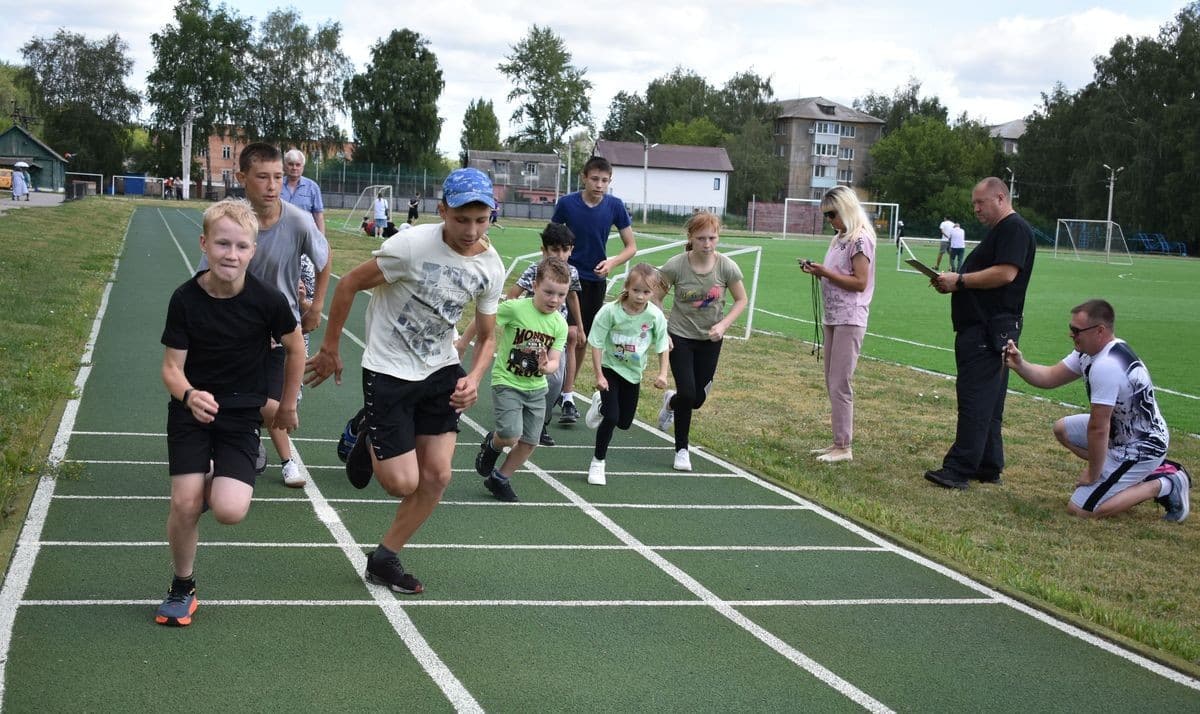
x=699 y=297
x=277 y=259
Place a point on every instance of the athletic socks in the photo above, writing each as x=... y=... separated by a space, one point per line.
x=183 y=585
x=568 y=397
x=1164 y=486
x=383 y=553
x=499 y=476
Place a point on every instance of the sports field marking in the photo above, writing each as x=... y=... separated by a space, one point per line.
x=872 y=334
x=533 y=603
x=26 y=551
x=710 y=598
x=483 y=546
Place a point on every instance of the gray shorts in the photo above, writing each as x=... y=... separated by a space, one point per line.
x=519 y=412
x=943 y=246
x=1116 y=475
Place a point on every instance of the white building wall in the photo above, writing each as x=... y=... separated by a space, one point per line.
x=672 y=187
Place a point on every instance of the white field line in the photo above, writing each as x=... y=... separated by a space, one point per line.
x=529 y=603
x=961 y=579
x=479 y=546
x=710 y=598
x=26 y=552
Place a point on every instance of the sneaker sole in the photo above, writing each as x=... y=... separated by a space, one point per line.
x=178 y=621
x=359 y=469
x=376 y=580
x=295 y=484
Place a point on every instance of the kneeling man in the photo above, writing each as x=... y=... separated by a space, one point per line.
x=1124 y=439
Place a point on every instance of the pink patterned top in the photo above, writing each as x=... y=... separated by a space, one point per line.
x=845 y=307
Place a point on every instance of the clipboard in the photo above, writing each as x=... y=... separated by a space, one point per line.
x=922 y=268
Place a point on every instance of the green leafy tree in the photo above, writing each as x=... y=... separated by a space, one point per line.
x=756 y=172
x=916 y=162
x=626 y=114
x=78 y=88
x=550 y=92
x=745 y=95
x=481 y=128
x=903 y=104
x=200 y=64
x=697 y=132
x=393 y=103
x=13 y=93
x=296 y=76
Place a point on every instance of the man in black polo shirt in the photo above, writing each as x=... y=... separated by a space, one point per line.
x=992 y=283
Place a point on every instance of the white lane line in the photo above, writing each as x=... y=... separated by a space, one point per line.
x=531 y=603
x=795 y=656
x=474 y=546
x=25 y=555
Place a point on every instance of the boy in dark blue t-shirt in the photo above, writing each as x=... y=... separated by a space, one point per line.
x=590 y=213
x=219 y=327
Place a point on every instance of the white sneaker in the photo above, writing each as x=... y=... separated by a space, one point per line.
x=593 y=419
x=666 y=415
x=596 y=472
x=836 y=455
x=292 y=476
x=683 y=460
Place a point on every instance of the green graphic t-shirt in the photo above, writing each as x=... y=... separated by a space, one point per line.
x=521 y=330
x=626 y=339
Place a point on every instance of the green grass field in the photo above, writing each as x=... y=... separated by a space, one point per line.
x=709 y=591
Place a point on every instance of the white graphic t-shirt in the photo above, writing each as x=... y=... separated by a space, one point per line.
x=1116 y=377
x=411 y=319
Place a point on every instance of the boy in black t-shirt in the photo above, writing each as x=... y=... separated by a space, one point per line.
x=219 y=327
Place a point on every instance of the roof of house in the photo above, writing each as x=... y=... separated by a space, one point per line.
x=34 y=139
x=1009 y=130
x=822 y=108
x=665 y=156
x=473 y=155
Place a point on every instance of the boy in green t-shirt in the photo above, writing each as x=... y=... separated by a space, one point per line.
x=531 y=336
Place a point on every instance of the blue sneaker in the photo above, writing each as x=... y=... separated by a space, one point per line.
x=178 y=608
x=349 y=436
x=1178 y=505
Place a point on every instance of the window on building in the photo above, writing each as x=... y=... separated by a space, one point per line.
x=846 y=175
x=781 y=151
x=500 y=167
x=817 y=193
x=846 y=153
x=204 y=152
x=827 y=109
x=531 y=168
x=825 y=150
x=717 y=183
x=826 y=127
x=818 y=171
x=849 y=131
x=226 y=152
x=780 y=127
x=227 y=176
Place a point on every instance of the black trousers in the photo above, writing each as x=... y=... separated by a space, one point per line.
x=981 y=387
x=693 y=364
x=619 y=409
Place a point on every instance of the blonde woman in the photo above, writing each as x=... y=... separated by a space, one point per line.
x=847 y=283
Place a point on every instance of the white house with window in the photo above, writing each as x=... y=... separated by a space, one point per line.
x=678 y=179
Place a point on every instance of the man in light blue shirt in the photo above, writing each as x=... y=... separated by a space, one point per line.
x=301 y=192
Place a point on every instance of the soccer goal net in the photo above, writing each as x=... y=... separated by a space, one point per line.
x=802 y=217
x=748 y=259
x=1088 y=240
x=925 y=250
x=364 y=206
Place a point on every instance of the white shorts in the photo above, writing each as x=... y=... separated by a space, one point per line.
x=1115 y=476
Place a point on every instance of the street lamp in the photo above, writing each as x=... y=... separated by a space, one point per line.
x=1012 y=179
x=646 y=147
x=1112 y=180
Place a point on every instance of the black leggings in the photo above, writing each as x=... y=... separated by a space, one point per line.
x=619 y=407
x=693 y=364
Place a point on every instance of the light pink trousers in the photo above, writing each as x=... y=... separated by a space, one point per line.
x=843 y=343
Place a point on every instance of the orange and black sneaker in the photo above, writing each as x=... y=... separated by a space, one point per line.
x=181 y=603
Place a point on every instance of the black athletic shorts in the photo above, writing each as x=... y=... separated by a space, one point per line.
x=591 y=299
x=399 y=410
x=230 y=442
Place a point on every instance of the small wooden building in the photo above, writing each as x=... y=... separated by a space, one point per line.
x=47 y=169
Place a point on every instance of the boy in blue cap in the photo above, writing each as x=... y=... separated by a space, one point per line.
x=414 y=387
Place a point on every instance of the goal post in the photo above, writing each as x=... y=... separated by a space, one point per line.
x=802 y=217
x=366 y=202
x=1091 y=240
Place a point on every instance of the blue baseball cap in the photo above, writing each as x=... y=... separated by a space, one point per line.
x=465 y=186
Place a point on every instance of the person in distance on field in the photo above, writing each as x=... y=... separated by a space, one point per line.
x=1124 y=438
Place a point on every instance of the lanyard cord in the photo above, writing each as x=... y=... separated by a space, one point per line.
x=818 y=308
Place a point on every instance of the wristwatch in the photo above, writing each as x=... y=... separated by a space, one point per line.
x=960 y=285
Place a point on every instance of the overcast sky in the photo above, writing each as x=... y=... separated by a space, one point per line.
x=991 y=60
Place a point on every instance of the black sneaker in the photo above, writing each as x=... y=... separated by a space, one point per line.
x=485 y=460
x=992 y=477
x=947 y=479
x=570 y=414
x=349 y=436
x=545 y=439
x=389 y=572
x=502 y=490
x=358 y=465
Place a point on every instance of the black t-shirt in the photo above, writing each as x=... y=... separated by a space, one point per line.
x=227 y=339
x=1009 y=242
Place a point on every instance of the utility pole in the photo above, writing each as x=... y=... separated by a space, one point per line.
x=1012 y=181
x=186 y=137
x=646 y=146
x=1112 y=180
